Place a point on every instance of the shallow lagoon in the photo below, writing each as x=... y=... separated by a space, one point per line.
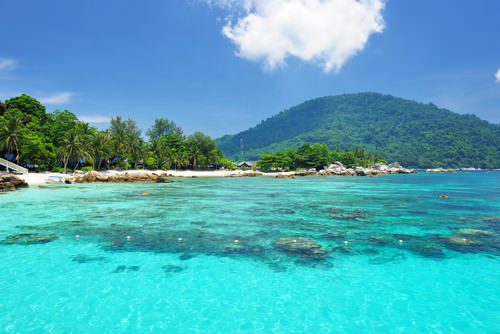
x=400 y=259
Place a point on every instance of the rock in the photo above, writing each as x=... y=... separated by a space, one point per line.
x=93 y=176
x=427 y=250
x=171 y=268
x=460 y=243
x=233 y=248
x=459 y=240
x=395 y=165
x=302 y=247
x=119 y=269
x=285 y=176
x=10 y=182
x=29 y=239
x=472 y=231
x=379 y=168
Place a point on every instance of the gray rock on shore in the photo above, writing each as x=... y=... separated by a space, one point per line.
x=337 y=168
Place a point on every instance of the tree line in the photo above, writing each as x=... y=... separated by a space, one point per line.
x=31 y=137
x=316 y=156
x=416 y=135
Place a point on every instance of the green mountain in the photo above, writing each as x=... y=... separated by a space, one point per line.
x=416 y=135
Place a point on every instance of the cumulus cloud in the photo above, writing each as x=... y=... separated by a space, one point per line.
x=94 y=119
x=324 y=32
x=60 y=98
x=7 y=63
x=497 y=75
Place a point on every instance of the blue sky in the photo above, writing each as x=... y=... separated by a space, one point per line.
x=222 y=66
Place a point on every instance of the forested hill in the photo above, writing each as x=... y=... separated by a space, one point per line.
x=416 y=135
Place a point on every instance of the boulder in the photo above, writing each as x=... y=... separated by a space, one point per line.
x=10 y=182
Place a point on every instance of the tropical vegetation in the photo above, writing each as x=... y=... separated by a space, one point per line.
x=416 y=135
x=58 y=140
x=315 y=156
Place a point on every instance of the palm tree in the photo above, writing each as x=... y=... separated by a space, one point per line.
x=158 y=149
x=11 y=134
x=135 y=147
x=72 y=146
x=100 y=147
x=195 y=154
x=179 y=158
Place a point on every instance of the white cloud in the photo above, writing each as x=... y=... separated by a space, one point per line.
x=324 y=32
x=94 y=119
x=7 y=63
x=60 y=98
x=497 y=75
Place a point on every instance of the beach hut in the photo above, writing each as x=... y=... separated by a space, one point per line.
x=247 y=164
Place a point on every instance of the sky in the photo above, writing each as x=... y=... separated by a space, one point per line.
x=222 y=66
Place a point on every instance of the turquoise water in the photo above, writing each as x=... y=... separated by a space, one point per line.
x=168 y=262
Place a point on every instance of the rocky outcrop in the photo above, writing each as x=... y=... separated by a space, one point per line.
x=301 y=247
x=91 y=177
x=11 y=182
x=286 y=176
x=338 y=168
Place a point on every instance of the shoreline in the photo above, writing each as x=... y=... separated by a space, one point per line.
x=37 y=179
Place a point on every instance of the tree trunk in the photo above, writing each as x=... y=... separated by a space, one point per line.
x=65 y=164
x=8 y=156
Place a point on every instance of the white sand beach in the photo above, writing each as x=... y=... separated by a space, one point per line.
x=35 y=179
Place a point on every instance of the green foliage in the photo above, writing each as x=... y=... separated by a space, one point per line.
x=11 y=132
x=59 y=123
x=416 y=135
x=29 y=107
x=316 y=156
x=38 y=150
x=3 y=108
x=58 y=141
x=122 y=164
x=200 y=149
x=86 y=169
x=162 y=127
